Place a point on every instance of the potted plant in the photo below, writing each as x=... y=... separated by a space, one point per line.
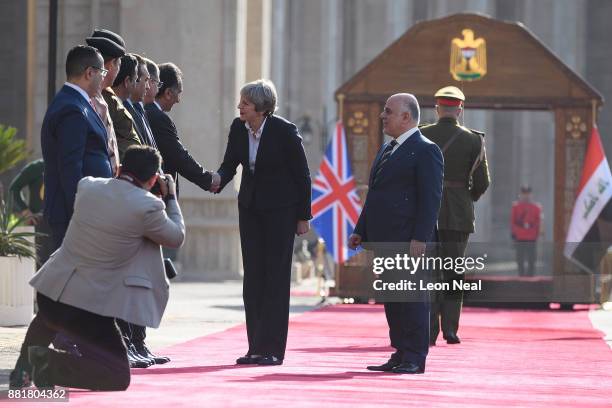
x=17 y=266
x=12 y=151
x=17 y=248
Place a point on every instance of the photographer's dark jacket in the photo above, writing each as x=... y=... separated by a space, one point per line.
x=110 y=262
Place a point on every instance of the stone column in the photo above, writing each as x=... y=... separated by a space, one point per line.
x=203 y=43
x=257 y=52
x=17 y=56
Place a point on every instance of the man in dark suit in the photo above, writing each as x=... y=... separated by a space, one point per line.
x=134 y=103
x=402 y=206
x=136 y=334
x=74 y=140
x=176 y=158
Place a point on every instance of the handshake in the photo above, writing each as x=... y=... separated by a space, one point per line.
x=215 y=183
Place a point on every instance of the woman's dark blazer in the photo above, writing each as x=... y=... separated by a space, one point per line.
x=281 y=178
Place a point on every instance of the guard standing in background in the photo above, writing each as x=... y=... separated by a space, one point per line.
x=466 y=178
x=31 y=177
x=526 y=218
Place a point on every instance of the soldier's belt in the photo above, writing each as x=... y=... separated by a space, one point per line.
x=454 y=184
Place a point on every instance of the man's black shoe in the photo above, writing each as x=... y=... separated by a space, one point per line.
x=269 y=361
x=141 y=357
x=248 y=359
x=39 y=359
x=20 y=377
x=136 y=362
x=407 y=368
x=388 y=366
x=452 y=338
x=144 y=351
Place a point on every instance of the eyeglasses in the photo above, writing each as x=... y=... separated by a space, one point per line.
x=157 y=83
x=103 y=72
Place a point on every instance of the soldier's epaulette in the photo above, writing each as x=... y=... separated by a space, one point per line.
x=477 y=132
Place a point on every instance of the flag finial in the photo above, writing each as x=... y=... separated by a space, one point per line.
x=340 y=106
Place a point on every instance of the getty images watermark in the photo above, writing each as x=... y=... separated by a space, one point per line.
x=405 y=265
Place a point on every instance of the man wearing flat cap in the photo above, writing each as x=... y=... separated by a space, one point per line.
x=112 y=48
x=466 y=178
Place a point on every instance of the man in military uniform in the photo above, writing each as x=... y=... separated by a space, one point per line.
x=525 y=224
x=466 y=178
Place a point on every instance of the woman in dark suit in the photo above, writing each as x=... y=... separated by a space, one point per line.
x=273 y=206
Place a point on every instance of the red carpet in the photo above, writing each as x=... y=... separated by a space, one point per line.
x=507 y=359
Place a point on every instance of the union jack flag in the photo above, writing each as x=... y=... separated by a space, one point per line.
x=335 y=203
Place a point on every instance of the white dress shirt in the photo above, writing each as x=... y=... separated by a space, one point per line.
x=403 y=137
x=79 y=90
x=254 y=139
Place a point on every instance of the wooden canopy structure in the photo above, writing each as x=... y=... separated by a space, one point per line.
x=510 y=68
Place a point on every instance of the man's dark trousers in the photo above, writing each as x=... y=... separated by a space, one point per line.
x=446 y=307
x=103 y=363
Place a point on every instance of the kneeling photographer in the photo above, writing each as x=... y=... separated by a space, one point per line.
x=109 y=266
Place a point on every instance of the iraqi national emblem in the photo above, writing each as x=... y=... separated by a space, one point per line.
x=468 y=57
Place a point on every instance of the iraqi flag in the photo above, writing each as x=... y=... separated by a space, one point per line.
x=589 y=233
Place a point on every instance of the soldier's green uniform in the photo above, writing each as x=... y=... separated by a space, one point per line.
x=466 y=178
x=31 y=177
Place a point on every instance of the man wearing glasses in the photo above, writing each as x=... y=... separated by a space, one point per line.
x=74 y=145
x=154 y=83
x=73 y=138
x=176 y=158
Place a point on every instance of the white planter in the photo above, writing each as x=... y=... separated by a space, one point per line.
x=16 y=295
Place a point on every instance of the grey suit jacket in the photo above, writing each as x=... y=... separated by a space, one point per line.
x=110 y=262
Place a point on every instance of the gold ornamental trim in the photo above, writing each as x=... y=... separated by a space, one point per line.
x=358 y=122
x=576 y=127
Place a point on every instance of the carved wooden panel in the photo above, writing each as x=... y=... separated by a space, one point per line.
x=361 y=121
x=573 y=127
x=521 y=72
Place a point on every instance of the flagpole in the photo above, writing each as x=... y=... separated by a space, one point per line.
x=594 y=110
x=340 y=107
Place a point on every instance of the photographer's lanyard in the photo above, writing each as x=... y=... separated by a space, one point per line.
x=130 y=179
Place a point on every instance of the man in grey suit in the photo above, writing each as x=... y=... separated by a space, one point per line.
x=109 y=266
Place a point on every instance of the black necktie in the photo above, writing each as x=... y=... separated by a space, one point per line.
x=383 y=159
x=145 y=125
